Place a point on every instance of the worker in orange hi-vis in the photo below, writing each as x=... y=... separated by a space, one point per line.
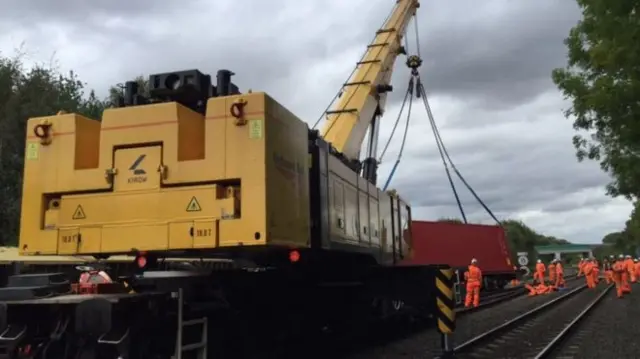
x=539 y=289
x=626 y=287
x=580 y=267
x=595 y=271
x=636 y=266
x=540 y=269
x=473 y=277
x=515 y=281
x=552 y=271
x=559 y=274
x=630 y=268
x=607 y=266
x=587 y=270
x=619 y=271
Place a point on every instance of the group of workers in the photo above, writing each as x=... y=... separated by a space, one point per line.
x=622 y=271
x=473 y=279
x=551 y=282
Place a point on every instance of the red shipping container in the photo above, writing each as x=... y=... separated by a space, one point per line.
x=456 y=244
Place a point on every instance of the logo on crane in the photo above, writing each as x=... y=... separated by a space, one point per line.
x=139 y=174
x=134 y=167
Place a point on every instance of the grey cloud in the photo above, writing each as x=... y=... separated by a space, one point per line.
x=570 y=203
x=498 y=61
x=492 y=56
x=80 y=11
x=510 y=175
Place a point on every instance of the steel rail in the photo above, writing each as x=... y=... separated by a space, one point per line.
x=475 y=341
x=492 y=301
x=498 y=298
x=557 y=341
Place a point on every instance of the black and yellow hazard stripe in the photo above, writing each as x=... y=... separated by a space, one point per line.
x=446 y=304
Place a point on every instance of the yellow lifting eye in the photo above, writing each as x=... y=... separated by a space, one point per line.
x=237 y=111
x=43 y=132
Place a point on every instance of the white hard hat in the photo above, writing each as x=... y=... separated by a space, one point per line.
x=635 y=260
x=621 y=256
x=627 y=256
x=473 y=260
x=611 y=256
x=539 y=261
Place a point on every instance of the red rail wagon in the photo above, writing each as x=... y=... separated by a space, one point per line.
x=456 y=244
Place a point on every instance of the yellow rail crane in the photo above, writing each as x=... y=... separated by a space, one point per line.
x=302 y=237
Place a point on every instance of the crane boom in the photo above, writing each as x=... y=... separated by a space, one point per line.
x=363 y=96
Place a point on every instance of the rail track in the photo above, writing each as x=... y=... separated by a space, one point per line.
x=421 y=340
x=502 y=296
x=494 y=299
x=537 y=333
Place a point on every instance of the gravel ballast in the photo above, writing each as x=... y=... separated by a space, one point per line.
x=610 y=331
x=526 y=338
x=426 y=344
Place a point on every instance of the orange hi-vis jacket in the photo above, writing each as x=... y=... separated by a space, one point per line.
x=473 y=274
x=619 y=268
x=629 y=264
x=581 y=267
x=559 y=269
x=552 y=271
x=540 y=269
x=587 y=267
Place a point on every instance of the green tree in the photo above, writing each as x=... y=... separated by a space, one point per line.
x=26 y=93
x=451 y=220
x=602 y=80
x=612 y=238
x=630 y=241
x=117 y=91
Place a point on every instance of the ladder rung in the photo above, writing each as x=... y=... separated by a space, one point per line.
x=187 y=323
x=193 y=346
x=341 y=111
x=382 y=31
x=368 y=62
x=356 y=83
x=378 y=45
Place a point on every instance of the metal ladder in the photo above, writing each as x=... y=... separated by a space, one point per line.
x=456 y=288
x=201 y=347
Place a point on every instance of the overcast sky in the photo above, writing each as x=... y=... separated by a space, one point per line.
x=486 y=67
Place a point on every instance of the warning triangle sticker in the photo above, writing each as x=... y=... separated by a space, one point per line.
x=193 y=205
x=79 y=213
